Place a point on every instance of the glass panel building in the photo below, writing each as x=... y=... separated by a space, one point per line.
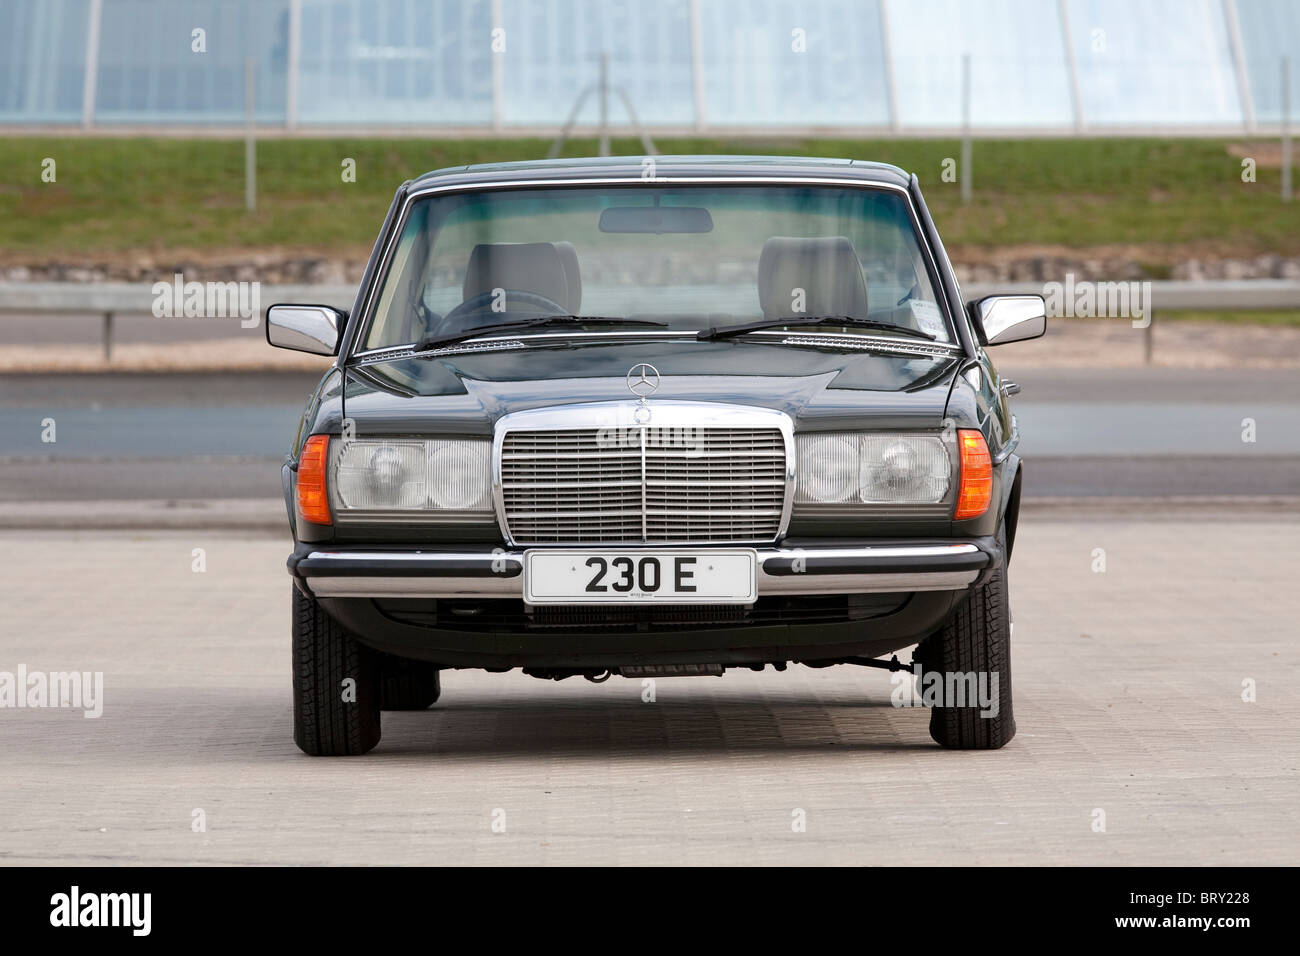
x=886 y=66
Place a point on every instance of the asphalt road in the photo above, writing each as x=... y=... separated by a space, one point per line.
x=1087 y=432
x=1128 y=698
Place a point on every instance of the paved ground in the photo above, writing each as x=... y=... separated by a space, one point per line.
x=1128 y=686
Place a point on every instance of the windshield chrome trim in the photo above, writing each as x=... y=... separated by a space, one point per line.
x=366 y=318
x=514 y=339
x=881 y=343
x=505 y=342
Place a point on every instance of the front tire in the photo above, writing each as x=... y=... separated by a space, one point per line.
x=975 y=640
x=335 y=685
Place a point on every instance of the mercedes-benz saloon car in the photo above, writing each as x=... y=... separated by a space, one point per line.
x=648 y=418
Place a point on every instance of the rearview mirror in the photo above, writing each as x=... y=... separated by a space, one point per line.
x=1009 y=318
x=656 y=219
x=305 y=328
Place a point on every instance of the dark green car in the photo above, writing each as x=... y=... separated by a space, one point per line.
x=653 y=417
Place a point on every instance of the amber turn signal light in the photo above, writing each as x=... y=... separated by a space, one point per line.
x=313 y=499
x=976 y=489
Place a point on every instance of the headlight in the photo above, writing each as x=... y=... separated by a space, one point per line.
x=459 y=475
x=872 y=469
x=412 y=475
x=904 y=469
x=381 y=475
x=828 y=468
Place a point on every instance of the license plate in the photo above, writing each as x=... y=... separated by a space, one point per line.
x=639 y=577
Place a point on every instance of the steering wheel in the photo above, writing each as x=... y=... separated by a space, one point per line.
x=517 y=300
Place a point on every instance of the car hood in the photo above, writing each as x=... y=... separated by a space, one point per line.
x=820 y=388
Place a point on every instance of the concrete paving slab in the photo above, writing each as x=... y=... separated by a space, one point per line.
x=1129 y=687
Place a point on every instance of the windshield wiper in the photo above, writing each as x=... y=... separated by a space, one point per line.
x=438 y=341
x=726 y=331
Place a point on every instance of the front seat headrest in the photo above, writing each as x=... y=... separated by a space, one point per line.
x=534 y=267
x=826 y=269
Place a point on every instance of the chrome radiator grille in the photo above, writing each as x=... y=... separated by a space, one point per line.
x=568 y=486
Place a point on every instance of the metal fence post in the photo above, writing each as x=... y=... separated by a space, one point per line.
x=294 y=65
x=697 y=67
x=1233 y=21
x=1286 y=129
x=90 y=81
x=887 y=54
x=108 y=336
x=965 y=129
x=250 y=142
x=604 y=104
x=498 y=69
x=1067 y=38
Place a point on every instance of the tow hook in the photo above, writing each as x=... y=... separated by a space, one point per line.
x=599 y=678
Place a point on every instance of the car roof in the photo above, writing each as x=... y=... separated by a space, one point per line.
x=633 y=168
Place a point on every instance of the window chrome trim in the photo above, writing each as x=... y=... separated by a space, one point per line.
x=623 y=414
x=366 y=318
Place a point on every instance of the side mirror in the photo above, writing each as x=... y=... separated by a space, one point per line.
x=1009 y=318
x=305 y=328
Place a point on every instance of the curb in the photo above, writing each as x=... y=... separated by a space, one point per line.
x=263 y=515
x=1167 y=508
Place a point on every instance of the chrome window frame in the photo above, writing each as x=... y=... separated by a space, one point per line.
x=366 y=319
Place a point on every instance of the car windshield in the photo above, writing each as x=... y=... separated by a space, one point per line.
x=682 y=258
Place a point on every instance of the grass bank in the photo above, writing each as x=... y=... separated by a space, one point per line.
x=114 y=196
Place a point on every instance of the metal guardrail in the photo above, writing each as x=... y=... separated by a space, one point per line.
x=137 y=298
x=110 y=299
x=1182 y=295
x=1178 y=295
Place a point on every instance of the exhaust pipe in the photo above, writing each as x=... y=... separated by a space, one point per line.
x=672 y=670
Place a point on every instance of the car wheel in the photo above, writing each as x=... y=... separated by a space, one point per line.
x=975 y=641
x=335 y=685
x=405 y=684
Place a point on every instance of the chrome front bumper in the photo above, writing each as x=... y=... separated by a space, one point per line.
x=893 y=567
